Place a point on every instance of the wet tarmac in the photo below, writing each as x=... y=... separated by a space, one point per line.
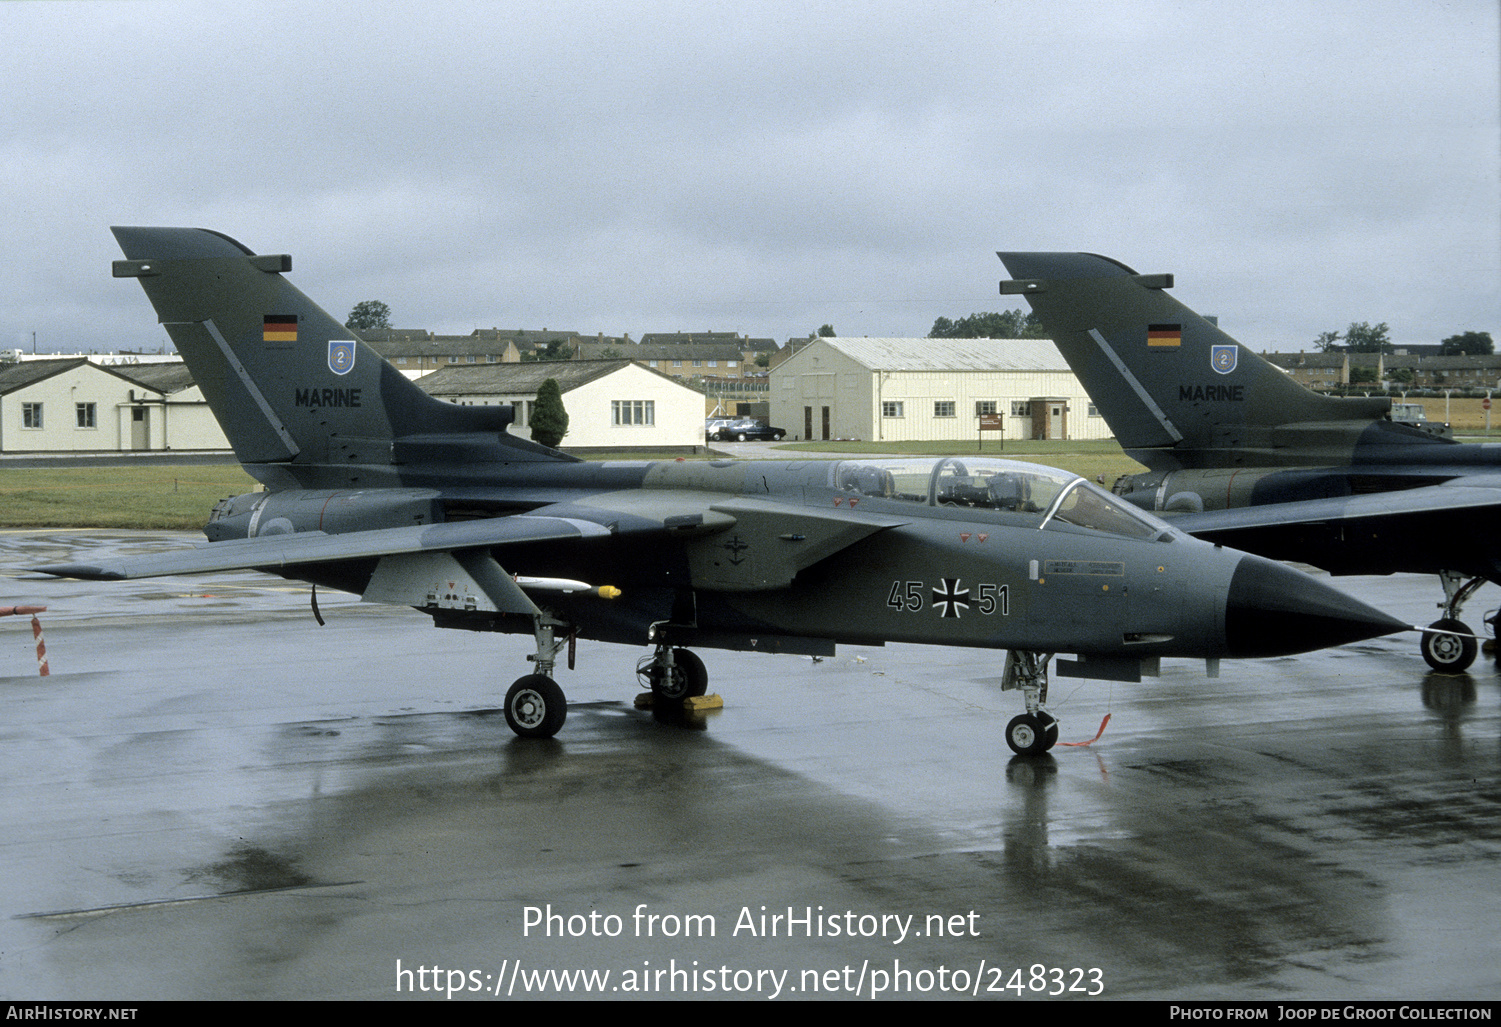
x=211 y=797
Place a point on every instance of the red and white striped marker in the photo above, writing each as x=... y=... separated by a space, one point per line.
x=41 y=646
x=36 y=632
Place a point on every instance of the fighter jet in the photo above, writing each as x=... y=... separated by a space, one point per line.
x=1248 y=457
x=375 y=488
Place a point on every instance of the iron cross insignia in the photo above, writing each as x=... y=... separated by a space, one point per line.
x=949 y=598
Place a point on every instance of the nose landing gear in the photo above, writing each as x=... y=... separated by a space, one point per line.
x=1452 y=653
x=1036 y=731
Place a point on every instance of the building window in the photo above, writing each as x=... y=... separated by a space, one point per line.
x=1094 y=411
x=943 y=408
x=713 y=363
x=1021 y=408
x=984 y=406
x=85 y=413
x=634 y=412
x=401 y=360
x=891 y=408
x=31 y=415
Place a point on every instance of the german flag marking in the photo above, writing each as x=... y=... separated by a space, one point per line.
x=1164 y=336
x=280 y=328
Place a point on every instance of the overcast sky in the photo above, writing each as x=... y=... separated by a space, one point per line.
x=759 y=166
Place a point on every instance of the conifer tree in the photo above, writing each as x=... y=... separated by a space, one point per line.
x=549 y=420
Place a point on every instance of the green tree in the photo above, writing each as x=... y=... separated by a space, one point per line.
x=1008 y=324
x=557 y=349
x=826 y=332
x=549 y=419
x=1361 y=337
x=1328 y=341
x=368 y=315
x=1470 y=344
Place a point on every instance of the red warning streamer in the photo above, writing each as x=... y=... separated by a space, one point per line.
x=1093 y=740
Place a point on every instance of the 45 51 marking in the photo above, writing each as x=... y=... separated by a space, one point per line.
x=950 y=598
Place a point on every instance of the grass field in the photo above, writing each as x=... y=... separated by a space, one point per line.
x=180 y=498
x=116 y=497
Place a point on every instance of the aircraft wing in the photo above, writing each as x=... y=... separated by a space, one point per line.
x=435 y=564
x=273 y=552
x=1412 y=530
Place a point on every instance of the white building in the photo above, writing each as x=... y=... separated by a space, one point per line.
x=72 y=405
x=930 y=390
x=611 y=404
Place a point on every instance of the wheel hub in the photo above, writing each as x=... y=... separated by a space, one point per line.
x=529 y=709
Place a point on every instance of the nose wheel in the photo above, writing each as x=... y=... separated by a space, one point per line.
x=1032 y=734
x=1452 y=653
x=1449 y=653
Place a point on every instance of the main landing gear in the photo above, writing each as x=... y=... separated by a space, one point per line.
x=673 y=674
x=1036 y=731
x=535 y=706
x=1452 y=653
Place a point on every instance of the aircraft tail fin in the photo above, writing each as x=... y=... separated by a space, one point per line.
x=301 y=399
x=1176 y=390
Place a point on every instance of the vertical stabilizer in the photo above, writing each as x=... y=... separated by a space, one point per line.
x=1176 y=390
x=294 y=390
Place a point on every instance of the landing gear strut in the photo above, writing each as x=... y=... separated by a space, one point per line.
x=1034 y=732
x=535 y=706
x=1446 y=652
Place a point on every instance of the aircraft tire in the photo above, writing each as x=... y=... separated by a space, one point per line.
x=689 y=677
x=1030 y=735
x=535 y=706
x=1450 y=654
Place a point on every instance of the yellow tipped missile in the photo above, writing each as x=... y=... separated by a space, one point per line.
x=567 y=585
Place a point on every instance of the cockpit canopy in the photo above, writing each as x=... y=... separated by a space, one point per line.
x=1003 y=491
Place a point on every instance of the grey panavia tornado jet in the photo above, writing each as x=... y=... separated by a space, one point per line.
x=1250 y=458
x=375 y=488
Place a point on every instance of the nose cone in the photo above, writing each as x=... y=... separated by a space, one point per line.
x=1273 y=610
